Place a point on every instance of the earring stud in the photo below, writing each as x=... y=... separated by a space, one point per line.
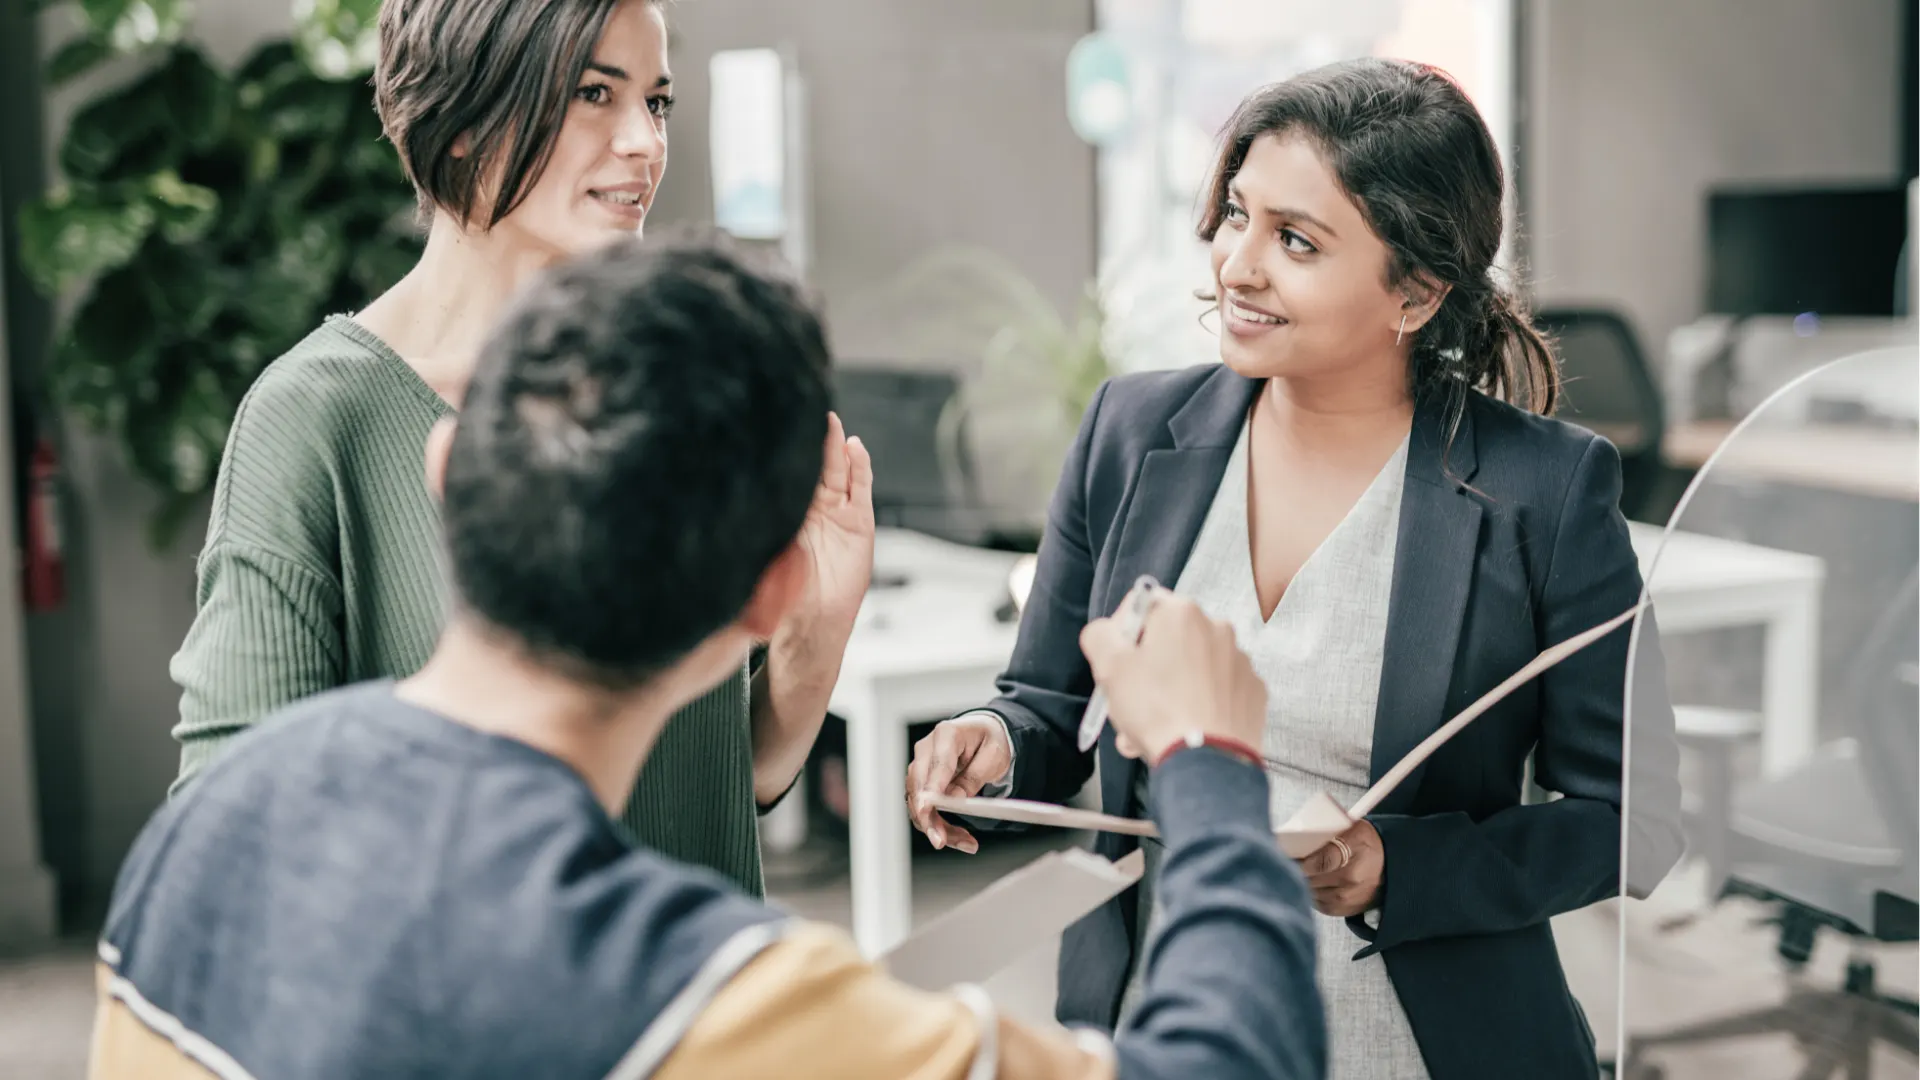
x=1402 y=332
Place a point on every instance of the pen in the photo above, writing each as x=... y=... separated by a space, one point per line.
x=1133 y=617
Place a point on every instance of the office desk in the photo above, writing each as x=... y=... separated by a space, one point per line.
x=922 y=651
x=1706 y=583
x=1864 y=460
x=933 y=648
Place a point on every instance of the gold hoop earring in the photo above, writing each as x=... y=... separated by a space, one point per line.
x=1402 y=332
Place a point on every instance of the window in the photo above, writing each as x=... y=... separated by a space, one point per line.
x=1187 y=63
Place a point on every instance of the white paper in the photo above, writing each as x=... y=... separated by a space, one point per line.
x=1010 y=918
x=1028 y=812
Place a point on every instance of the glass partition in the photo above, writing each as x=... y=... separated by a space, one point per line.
x=1777 y=939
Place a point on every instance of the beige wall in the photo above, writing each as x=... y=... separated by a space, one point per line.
x=1638 y=107
x=930 y=123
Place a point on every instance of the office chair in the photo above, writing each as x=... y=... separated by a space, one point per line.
x=1834 y=844
x=1607 y=387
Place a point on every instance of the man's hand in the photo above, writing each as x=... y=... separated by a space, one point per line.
x=1186 y=674
x=803 y=659
x=1346 y=880
x=958 y=757
x=838 y=536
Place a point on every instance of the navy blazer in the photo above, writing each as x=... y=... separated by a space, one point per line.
x=1510 y=539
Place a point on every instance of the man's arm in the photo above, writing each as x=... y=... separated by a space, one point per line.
x=1230 y=990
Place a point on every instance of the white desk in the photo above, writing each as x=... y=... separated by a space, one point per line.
x=920 y=652
x=932 y=648
x=1706 y=583
x=1867 y=461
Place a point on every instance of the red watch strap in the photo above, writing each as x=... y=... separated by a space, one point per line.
x=1218 y=742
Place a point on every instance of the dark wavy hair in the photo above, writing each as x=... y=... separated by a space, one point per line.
x=1415 y=156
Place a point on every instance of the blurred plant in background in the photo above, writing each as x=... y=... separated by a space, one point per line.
x=207 y=220
x=1027 y=372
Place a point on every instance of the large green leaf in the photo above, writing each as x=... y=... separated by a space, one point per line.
x=75 y=233
x=183 y=211
x=184 y=288
x=148 y=435
x=85 y=229
x=267 y=70
x=176 y=441
x=377 y=264
x=127 y=25
x=308 y=109
x=337 y=38
x=76 y=58
x=149 y=124
x=218 y=217
x=281 y=298
x=106 y=362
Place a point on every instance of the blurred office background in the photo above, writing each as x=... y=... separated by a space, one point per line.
x=1710 y=199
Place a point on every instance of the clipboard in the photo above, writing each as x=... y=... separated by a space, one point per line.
x=1321 y=818
x=990 y=930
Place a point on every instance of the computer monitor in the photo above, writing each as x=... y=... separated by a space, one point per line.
x=897 y=413
x=1828 y=251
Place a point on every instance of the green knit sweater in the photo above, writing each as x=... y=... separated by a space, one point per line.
x=323 y=566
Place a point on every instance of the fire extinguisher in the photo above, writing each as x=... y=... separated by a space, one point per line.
x=43 y=565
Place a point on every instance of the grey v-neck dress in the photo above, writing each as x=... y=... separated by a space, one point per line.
x=1320 y=656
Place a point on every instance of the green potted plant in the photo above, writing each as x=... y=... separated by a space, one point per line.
x=1027 y=372
x=206 y=220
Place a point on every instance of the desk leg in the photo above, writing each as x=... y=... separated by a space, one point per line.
x=785 y=829
x=882 y=851
x=1790 y=688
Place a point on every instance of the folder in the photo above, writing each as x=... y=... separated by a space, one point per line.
x=989 y=931
x=1320 y=819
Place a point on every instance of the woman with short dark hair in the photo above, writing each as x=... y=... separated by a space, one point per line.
x=531 y=131
x=1368 y=488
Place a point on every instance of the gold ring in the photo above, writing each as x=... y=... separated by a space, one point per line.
x=1346 y=853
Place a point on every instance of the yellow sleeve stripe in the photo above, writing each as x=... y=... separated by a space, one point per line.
x=810 y=1005
x=135 y=1040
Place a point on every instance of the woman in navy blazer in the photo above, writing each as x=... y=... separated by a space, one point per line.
x=1354 y=215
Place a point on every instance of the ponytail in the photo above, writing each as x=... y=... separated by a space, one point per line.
x=1520 y=367
x=1498 y=352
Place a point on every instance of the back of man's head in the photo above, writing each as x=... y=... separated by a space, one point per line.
x=639 y=443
